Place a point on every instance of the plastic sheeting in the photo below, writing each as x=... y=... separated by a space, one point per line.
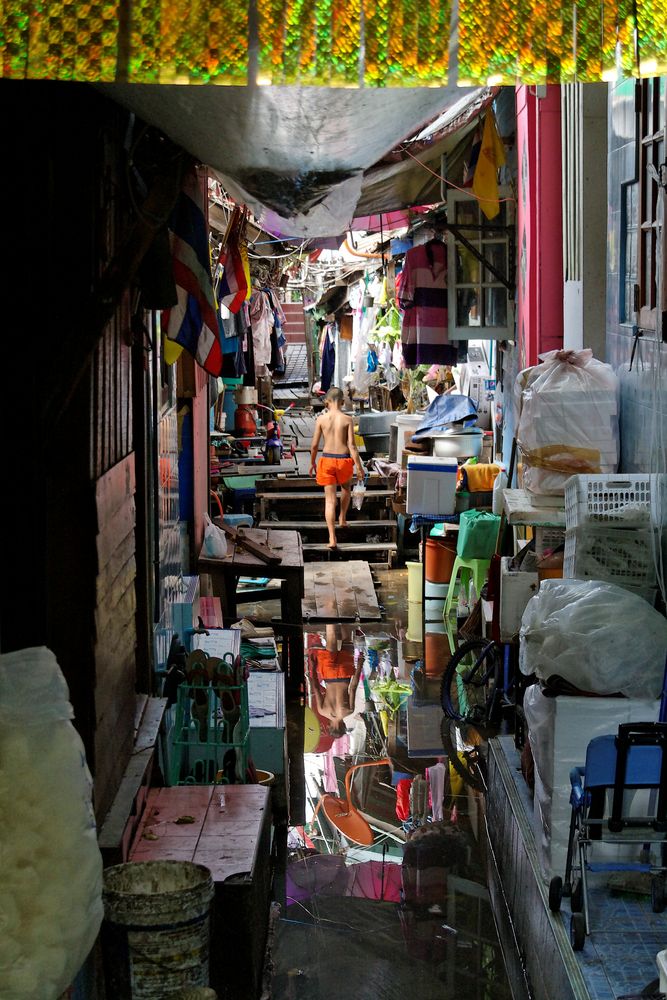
x=559 y=730
x=51 y=893
x=445 y=410
x=295 y=155
x=599 y=637
x=568 y=419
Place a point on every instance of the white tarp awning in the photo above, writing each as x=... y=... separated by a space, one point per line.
x=295 y=155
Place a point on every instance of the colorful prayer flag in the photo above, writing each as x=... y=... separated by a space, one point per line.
x=491 y=157
x=193 y=322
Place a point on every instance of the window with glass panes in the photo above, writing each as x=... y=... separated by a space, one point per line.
x=479 y=304
x=630 y=218
x=651 y=158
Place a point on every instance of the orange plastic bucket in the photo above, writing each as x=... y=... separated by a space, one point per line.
x=440 y=556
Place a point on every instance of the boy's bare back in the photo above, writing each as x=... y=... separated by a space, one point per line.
x=337 y=430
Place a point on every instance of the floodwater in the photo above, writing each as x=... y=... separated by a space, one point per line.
x=372 y=905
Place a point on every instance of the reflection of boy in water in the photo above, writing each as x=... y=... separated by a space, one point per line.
x=333 y=669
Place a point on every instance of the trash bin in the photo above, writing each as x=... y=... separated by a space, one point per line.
x=156 y=929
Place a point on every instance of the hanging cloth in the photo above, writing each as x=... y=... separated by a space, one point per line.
x=422 y=295
x=328 y=352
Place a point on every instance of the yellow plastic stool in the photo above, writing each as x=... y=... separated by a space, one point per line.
x=465 y=568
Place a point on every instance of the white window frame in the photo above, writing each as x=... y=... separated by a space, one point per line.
x=455 y=332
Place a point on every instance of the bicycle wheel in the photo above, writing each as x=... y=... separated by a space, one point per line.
x=469 y=681
x=462 y=745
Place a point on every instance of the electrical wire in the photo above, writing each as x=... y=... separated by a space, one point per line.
x=466 y=191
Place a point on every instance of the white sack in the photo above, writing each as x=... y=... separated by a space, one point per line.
x=597 y=636
x=567 y=419
x=51 y=891
x=215 y=540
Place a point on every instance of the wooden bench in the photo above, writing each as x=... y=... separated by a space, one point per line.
x=120 y=824
x=267 y=497
x=352 y=540
x=308 y=527
x=352 y=548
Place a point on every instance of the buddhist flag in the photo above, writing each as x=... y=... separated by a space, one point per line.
x=491 y=157
x=193 y=322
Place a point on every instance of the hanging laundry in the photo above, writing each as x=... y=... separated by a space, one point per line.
x=403 y=798
x=328 y=357
x=422 y=295
x=193 y=322
x=436 y=780
x=491 y=158
x=261 y=319
x=346 y=326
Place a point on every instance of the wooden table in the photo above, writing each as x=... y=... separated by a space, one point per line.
x=225 y=574
x=234 y=845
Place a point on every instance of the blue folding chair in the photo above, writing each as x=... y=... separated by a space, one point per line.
x=634 y=759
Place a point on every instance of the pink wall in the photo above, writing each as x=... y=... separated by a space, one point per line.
x=539 y=224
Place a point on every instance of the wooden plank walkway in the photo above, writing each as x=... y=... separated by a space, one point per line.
x=339 y=591
x=300 y=426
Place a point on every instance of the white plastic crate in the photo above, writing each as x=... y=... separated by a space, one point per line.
x=632 y=500
x=547 y=539
x=623 y=556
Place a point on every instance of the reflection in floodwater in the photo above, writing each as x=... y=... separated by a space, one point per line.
x=385 y=889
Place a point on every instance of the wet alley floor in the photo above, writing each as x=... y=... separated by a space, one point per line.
x=373 y=906
x=383 y=908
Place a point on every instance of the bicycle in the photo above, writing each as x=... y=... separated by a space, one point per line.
x=466 y=749
x=476 y=682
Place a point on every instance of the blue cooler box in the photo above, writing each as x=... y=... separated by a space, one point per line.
x=431 y=485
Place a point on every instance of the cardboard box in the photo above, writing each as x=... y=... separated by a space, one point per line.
x=560 y=730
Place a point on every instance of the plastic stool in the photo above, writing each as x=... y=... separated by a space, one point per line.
x=477 y=568
x=238 y=520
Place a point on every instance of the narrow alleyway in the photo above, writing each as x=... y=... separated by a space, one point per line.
x=380 y=921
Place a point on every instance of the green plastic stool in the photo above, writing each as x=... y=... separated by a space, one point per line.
x=465 y=568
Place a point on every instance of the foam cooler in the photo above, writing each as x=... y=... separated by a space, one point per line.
x=431 y=485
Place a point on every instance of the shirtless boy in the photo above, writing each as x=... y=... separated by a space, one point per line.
x=338 y=459
x=333 y=670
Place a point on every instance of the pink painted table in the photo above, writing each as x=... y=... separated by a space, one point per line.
x=235 y=845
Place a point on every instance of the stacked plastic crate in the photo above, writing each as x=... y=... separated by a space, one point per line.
x=210 y=736
x=613 y=529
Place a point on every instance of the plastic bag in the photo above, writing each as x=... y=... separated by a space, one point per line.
x=499 y=486
x=215 y=540
x=567 y=419
x=358 y=494
x=478 y=534
x=51 y=896
x=599 y=637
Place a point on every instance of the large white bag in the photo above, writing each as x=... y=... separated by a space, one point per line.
x=599 y=637
x=51 y=889
x=567 y=419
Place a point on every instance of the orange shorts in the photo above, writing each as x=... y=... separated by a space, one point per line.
x=337 y=666
x=334 y=469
